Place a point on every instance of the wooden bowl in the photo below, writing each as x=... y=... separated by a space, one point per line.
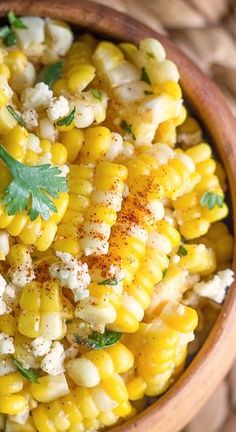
x=176 y=407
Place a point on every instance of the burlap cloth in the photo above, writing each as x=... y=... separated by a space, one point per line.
x=206 y=31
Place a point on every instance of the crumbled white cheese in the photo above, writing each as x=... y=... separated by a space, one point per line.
x=47 y=130
x=22 y=275
x=215 y=288
x=116 y=146
x=58 y=108
x=38 y=97
x=30 y=117
x=11 y=295
x=3 y=307
x=34 y=143
x=6 y=344
x=7 y=366
x=52 y=363
x=40 y=346
x=31 y=39
x=71 y=273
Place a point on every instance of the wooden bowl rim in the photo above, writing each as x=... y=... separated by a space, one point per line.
x=178 y=405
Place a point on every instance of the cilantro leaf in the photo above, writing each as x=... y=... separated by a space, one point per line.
x=16 y=116
x=128 y=128
x=97 y=340
x=111 y=281
x=150 y=55
x=147 y=92
x=164 y=272
x=145 y=76
x=66 y=121
x=14 y=21
x=10 y=38
x=97 y=94
x=182 y=251
x=4 y=32
x=51 y=73
x=31 y=187
x=30 y=374
x=211 y=199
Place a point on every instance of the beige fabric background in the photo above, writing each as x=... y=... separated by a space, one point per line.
x=206 y=31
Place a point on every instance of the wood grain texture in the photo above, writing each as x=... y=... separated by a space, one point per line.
x=174 y=409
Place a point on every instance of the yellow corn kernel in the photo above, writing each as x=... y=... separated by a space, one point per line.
x=31 y=231
x=12 y=383
x=18 y=224
x=106 y=56
x=49 y=229
x=8 y=324
x=59 y=154
x=172 y=88
x=122 y=358
x=5 y=71
x=67 y=245
x=73 y=141
x=198 y=259
x=12 y=405
x=136 y=388
x=7 y=121
x=28 y=426
x=81 y=77
x=194 y=228
x=182 y=318
x=215 y=214
x=59 y=86
x=16 y=61
x=199 y=153
x=41 y=313
x=16 y=142
x=49 y=388
x=61 y=204
x=97 y=140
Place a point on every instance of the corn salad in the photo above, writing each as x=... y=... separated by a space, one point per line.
x=112 y=270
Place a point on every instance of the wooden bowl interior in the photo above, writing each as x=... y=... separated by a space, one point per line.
x=178 y=405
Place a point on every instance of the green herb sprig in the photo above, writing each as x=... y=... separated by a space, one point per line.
x=144 y=76
x=30 y=374
x=50 y=74
x=98 y=341
x=31 y=187
x=16 y=116
x=66 y=121
x=128 y=128
x=211 y=199
x=111 y=281
x=7 y=33
x=15 y=21
x=97 y=94
x=182 y=251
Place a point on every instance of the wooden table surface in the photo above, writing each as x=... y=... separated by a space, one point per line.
x=206 y=30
